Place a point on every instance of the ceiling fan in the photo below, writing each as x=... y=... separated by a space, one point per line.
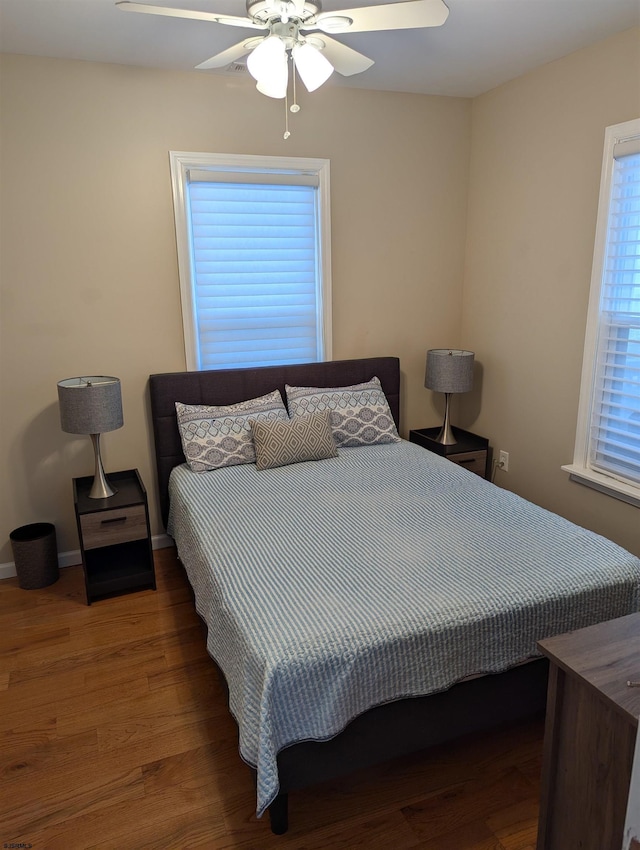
x=315 y=57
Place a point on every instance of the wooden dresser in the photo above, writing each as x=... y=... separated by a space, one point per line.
x=590 y=735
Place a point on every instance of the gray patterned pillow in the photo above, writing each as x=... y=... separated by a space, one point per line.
x=221 y=436
x=359 y=415
x=304 y=438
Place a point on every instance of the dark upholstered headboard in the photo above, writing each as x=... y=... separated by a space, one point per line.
x=230 y=386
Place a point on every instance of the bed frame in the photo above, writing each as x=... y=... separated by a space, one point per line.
x=389 y=730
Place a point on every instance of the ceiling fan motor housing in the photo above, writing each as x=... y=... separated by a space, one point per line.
x=273 y=10
x=287 y=32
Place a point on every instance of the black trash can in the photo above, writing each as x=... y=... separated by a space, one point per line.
x=35 y=553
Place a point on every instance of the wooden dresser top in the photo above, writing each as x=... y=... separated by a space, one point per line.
x=605 y=656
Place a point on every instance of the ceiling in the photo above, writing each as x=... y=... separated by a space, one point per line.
x=482 y=44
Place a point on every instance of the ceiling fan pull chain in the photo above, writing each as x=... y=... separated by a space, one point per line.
x=286 y=118
x=294 y=106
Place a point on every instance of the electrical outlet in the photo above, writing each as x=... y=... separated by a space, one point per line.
x=503 y=461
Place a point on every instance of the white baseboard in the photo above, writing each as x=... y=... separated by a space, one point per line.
x=70 y=559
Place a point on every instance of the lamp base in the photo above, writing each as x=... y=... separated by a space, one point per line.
x=446 y=433
x=100 y=489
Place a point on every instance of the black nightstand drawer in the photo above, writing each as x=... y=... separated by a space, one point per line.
x=473 y=461
x=471 y=451
x=117 y=526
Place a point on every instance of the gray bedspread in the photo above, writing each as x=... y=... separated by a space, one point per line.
x=330 y=587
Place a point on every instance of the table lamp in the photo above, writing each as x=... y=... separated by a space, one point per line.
x=92 y=405
x=449 y=370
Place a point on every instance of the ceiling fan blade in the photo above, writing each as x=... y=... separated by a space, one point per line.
x=345 y=60
x=410 y=14
x=167 y=11
x=226 y=57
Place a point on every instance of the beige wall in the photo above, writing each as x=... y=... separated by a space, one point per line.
x=88 y=271
x=537 y=147
x=88 y=268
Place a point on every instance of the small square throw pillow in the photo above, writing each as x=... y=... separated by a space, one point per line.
x=359 y=415
x=217 y=436
x=279 y=443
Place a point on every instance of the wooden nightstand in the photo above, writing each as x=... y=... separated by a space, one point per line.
x=471 y=451
x=115 y=536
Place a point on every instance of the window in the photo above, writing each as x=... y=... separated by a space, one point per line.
x=607 y=453
x=253 y=257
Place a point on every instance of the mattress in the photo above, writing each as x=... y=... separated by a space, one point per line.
x=334 y=586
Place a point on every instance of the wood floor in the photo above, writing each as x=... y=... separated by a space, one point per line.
x=114 y=733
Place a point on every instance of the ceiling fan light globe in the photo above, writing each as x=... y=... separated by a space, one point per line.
x=275 y=82
x=314 y=68
x=268 y=55
x=274 y=88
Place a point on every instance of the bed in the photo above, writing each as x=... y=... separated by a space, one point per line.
x=372 y=603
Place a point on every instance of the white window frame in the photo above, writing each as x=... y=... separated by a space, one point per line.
x=181 y=163
x=581 y=470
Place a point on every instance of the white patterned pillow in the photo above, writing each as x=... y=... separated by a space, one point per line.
x=215 y=436
x=359 y=415
x=279 y=443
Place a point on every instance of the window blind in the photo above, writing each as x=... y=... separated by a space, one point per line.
x=614 y=446
x=255 y=271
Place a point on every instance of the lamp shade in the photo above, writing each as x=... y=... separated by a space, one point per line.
x=90 y=405
x=449 y=370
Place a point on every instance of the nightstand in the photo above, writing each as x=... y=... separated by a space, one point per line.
x=115 y=536
x=471 y=451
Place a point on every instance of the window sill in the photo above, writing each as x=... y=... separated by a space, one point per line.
x=603 y=483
